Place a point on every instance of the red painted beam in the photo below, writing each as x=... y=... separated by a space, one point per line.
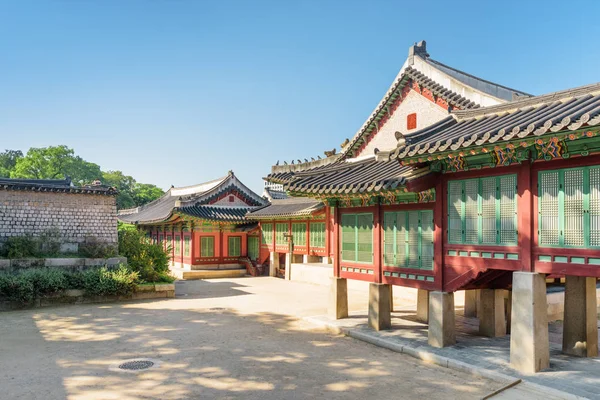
x=424 y=183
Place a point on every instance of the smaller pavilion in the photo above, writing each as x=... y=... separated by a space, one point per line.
x=204 y=225
x=308 y=223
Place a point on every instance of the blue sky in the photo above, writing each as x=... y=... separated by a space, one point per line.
x=180 y=92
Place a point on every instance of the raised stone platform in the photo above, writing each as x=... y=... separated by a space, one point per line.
x=187 y=274
x=73 y=263
x=577 y=376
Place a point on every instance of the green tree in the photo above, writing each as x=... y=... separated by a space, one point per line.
x=8 y=160
x=124 y=183
x=55 y=162
x=143 y=193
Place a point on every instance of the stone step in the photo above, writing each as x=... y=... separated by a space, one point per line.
x=208 y=274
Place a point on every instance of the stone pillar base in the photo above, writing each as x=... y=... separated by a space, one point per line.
x=471 y=299
x=442 y=329
x=380 y=317
x=338 y=298
x=307 y=259
x=422 y=305
x=273 y=263
x=529 y=345
x=492 y=322
x=508 y=309
x=288 y=266
x=580 y=324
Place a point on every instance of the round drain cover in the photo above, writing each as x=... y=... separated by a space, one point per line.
x=217 y=309
x=136 y=365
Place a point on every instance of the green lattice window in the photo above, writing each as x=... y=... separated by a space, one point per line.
x=267 y=233
x=281 y=230
x=357 y=237
x=178 y=245
x=569 y=207
x=186 y=246
x=207 y=246
x=317 y=234
x=483 y=211
x=299 y=233
x=234 y=248
x=253 y=247
x=408 y=239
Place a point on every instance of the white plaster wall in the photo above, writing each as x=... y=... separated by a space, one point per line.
x=427 y=114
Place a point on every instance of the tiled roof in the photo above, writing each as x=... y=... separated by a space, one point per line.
x=54 y=185
x=158 y=210
x=568 y=110
x=215 y=213
x=290 y=207
x=272 y=194
x=195 y=199
x=368 y=175
x=284 y=173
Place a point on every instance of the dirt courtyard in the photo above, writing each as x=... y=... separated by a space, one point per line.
x=220 y=339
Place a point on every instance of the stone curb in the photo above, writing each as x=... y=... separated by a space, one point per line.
x=432 y=358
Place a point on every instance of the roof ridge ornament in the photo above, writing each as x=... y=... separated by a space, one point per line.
x=419 y=49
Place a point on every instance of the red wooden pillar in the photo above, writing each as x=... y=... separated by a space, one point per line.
x=244 y=245
x=525 y=214
x=377 y=261
x=328 y=230
x=439 y=212
x=336 y=241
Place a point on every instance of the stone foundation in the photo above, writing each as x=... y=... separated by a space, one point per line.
x=79 y=264
x=156 y=291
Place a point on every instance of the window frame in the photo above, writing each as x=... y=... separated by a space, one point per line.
x=480 y=217
x=239 y=248
x=187 y=246
x=422 y=215
x=586 y=197
x=300 y=234
x=267 y=240
x=356 y=232
x=319 y=240
x=283 y=241
x=212 y=247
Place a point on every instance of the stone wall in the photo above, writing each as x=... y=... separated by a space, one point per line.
x=77 y=216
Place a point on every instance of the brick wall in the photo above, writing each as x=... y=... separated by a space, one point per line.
x=77 y=216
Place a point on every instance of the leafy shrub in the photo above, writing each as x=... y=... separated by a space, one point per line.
x=45 y=281
x=16 y=288
x=94 y=248
x=165 y=277
x=21 y=247
x=104 y=281
x=26 y=285
x=150 y=260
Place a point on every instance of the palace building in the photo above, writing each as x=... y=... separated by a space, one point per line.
x=204 y=226
x=457 y=183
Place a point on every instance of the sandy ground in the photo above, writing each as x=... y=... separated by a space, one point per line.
x=220 y=339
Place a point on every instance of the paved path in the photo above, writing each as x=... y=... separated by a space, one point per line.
x=577 y=376
x=227 y=339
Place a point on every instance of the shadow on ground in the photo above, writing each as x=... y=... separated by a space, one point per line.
x=206 y=350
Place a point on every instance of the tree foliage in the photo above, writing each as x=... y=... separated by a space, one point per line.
x=55 y=162
x=59 y=162
x=8 y=160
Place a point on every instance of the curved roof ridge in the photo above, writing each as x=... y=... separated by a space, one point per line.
x=438 y=63
x=530 y=101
